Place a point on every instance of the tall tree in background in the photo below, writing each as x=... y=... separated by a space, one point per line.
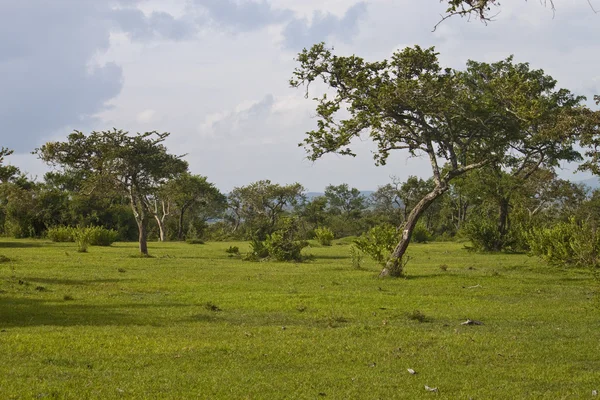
x=503 y=114
x=134 y=165
x=187 y=192
x=260 y=205
x=7 y=172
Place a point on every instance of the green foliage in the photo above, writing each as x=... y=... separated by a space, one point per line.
x=420 y=234
x=258 y=250
x=95 y=235
x=485 y=236
x=82 y=238
x=258 y=207
x=100 y=236
x=61 y=234
x=234 y=250
x=195 y=241
x=281 y=245
x=569 y=243
x=379 y=242
x=356 y=257
x=324 y=236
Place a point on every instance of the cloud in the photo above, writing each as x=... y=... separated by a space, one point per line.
x=301 y=32
x=156 y=25
x=242 y=16
x=298 y=31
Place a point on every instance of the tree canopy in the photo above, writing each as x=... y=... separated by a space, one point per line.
x=503 y=113
x=134 y=165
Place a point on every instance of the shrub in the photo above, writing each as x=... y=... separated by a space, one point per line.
x=324 y=236
x=379 y=242
x=281 y=245
x=96 y=235
x=195 y=241
x=82 y=239
x=233 y=250
x=356 y=257
x=420 y=234
x=100 y=236
x=566 y=243
x=258 y=251
x=61 y=234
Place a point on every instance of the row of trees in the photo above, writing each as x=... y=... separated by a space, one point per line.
x=493 y=133
x=489 y=206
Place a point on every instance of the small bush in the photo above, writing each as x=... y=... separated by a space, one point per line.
x=82 y=239
x=100 y=236
x=195 y=241
x=379 y=242
x=61 y=234
x=281 y=245
x=233 y=250
x=258 y=251
x=420 y=234
x=324 y=236
x=566 y=243
x=356 y=257
x=4 y=259
x=97 y=235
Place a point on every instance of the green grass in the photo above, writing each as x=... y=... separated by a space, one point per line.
x=193 y=322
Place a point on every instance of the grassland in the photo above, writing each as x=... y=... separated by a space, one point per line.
x=194 y=323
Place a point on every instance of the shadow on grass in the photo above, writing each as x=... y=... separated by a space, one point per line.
x=23 y=312
x=20 y=245
x=82 y=282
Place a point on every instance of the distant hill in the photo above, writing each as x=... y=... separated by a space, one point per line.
x=312 y=195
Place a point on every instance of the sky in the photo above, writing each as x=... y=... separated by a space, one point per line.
x=215 y=74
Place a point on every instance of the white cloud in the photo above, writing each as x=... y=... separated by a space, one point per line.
x=216 y=77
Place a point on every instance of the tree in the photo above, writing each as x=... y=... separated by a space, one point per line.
x=345 y=201
x=482 y=9
x=461 y=120
x=133 y=165
x=189 y=191
x=260 y=205
x=7 y=172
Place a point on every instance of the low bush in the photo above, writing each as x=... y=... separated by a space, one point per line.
x=379 y=242
x=324 y=236
x=101 y=236
x=61 y=234
x=421 y=234
x=93 y=235
x=569 y=243
x=281 y=245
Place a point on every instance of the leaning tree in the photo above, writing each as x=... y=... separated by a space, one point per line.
x=503 y=114
x=108 y=161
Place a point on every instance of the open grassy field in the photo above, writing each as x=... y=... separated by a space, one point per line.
x=194 y=323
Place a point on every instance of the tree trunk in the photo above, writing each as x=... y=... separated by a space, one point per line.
x=503 y=222
x=161 y=228
x=180 y=227
x=394 y=266
x=143 y=235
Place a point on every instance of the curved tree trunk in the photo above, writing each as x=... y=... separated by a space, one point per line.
x=395 y=266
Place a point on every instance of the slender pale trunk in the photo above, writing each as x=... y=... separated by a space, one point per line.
x=394 y=266
x=161 y=228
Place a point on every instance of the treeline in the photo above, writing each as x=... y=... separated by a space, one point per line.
x=489 y=207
